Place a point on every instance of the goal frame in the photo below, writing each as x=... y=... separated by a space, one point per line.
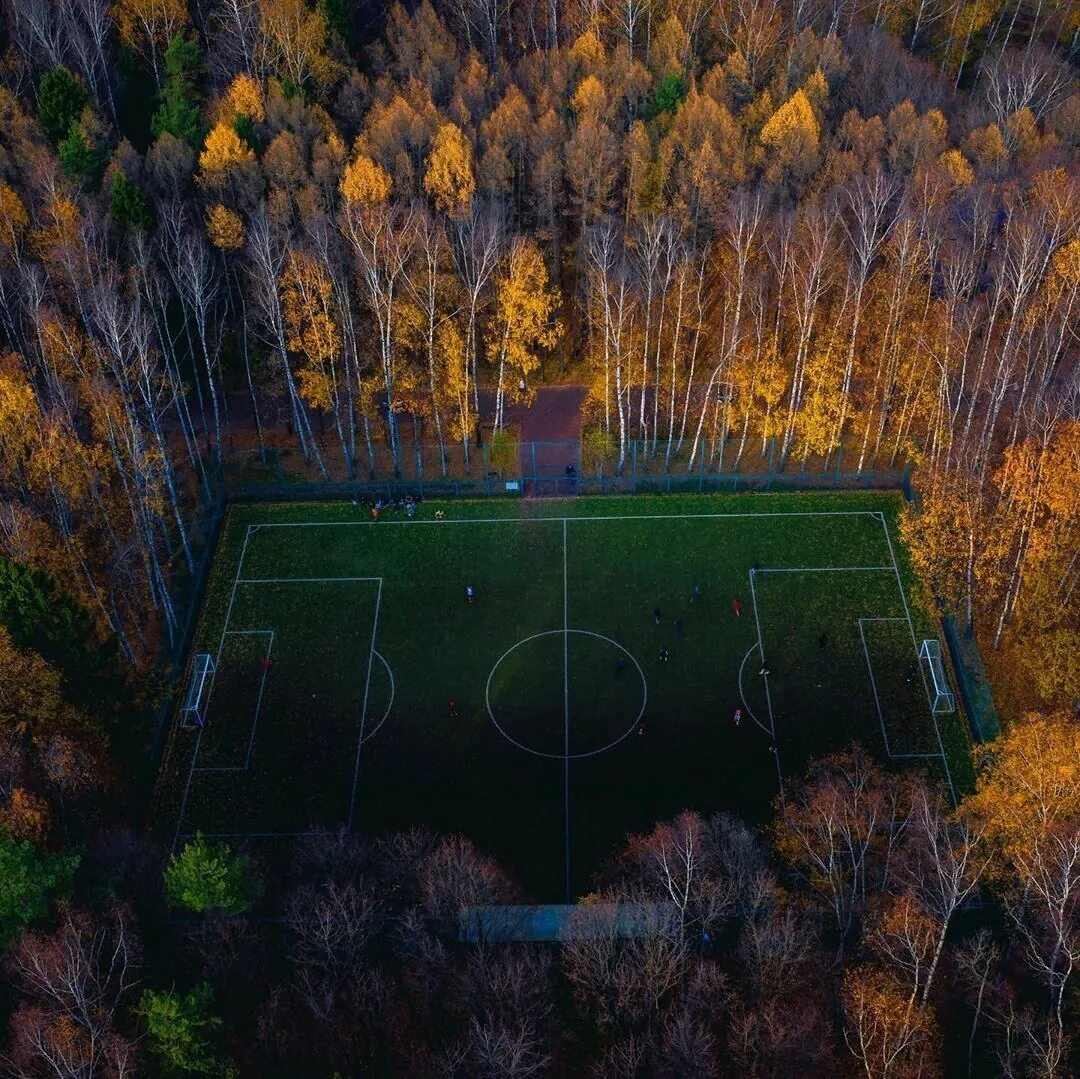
x=942 y=698
x=203 y=667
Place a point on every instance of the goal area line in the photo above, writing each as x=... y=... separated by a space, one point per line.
x=194 y=768
x=894 y=568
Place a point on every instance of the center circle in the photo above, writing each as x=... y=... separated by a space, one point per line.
x=566 y=693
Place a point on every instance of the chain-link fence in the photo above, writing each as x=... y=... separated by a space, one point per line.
x=502 y=466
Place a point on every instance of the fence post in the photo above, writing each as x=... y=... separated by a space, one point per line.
x=769 y=473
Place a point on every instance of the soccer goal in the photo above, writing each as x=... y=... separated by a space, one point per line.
x=191 y=715
x=942 y=699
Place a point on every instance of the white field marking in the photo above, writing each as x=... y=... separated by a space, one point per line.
x=541 y=520
x=238 y=580
x=873 y=685
x=877 y=701
x=573 y=756
x=768 y=697
x=566 y=712
x=217 y=662
x=761 y=650
x=823 y=569
x=386 y=714
x=258 y=700
x=749 y=711
x=915 y=645
x=307 y=580
x=363 y=713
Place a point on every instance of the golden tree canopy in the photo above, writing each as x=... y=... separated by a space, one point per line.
x=365 y=182
x=793 y=124
x=449 y=179
x=243 y=98
x=224 y=228
x=223 y=152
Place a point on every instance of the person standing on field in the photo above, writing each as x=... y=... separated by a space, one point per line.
x=736 y=606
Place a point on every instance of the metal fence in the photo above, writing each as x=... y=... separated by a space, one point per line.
x=972 y=679
x=546 y=469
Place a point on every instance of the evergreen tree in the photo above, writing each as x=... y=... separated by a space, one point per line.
x=127 y=206
x=209 y=877
x=668 y=94
x=80 y=158
x=178 y=1028
x=61 y=100
x=178 y=111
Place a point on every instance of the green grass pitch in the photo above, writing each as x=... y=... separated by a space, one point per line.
x=568 y=730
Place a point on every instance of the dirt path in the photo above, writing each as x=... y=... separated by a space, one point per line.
x=555 y=415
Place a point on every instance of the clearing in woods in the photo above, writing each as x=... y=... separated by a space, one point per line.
x=356 y=686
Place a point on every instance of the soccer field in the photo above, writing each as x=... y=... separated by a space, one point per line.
x=542 y=720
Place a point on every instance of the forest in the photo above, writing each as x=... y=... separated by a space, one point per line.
x=235 y=229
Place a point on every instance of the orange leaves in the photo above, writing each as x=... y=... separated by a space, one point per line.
x=886 y=1031
x=26 y=816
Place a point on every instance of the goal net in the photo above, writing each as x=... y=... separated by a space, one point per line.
x=941 y=696
x=191 y=715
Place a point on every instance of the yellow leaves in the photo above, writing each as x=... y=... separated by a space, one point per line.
x=292 y=40
x=147 y=26
x=791 y=137
x=449 y=178
x=525 y=308
x=956 y=167
x=794 y=121
x=59 y=225
x=1030 y=785
x=223 y=152
x=590 y=99
x=882 y=1023
x=243 y=98
x=820 y=413
x=588 y=51
x=986 y=147
x=365 y=183
x=1064 y=272
x=224 y=228
x=32 y=698
x=13 y=217
x=307 y=307
x=816 y=89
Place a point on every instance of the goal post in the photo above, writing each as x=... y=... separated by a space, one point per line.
x=941 y=696
x=192 y=713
